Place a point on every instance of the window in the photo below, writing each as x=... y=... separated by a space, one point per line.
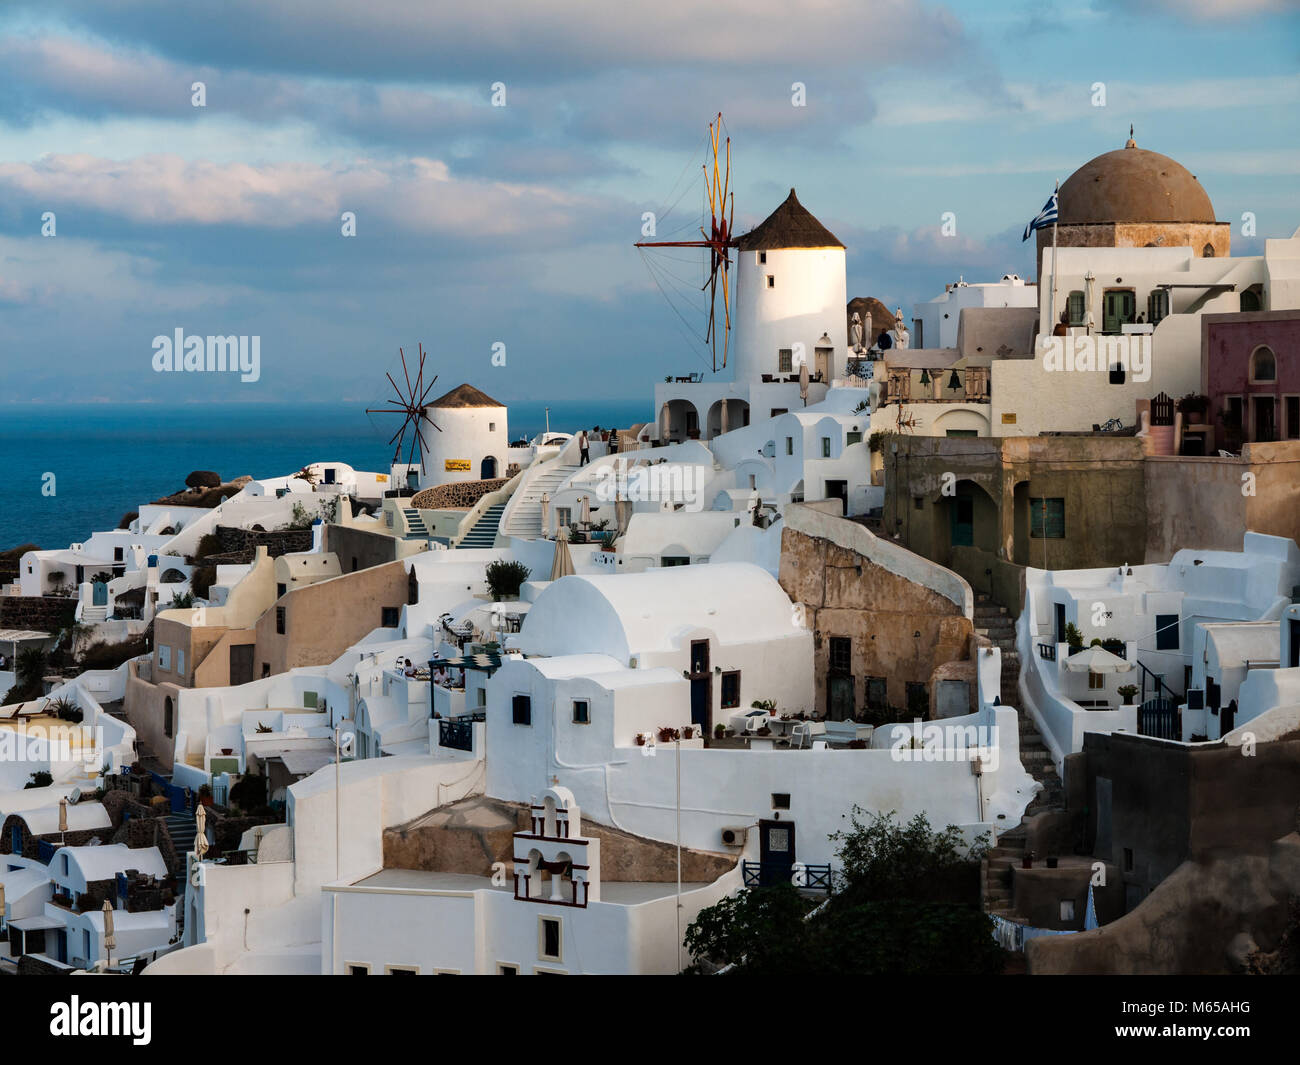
x=852 y=437
x=522 y=709
x=675 y=560
x=358 y=969
x=1128 y=859
x=1067 y=909
x=354 y=563
x=280 y=589
x=731 y=690
x=266 y=669
x=785 y=360
x=1207 y=252
x=1076 y=307
x=780 y=800
x=771 y=281
x=180 y=661
x=1292 y=416
x=549 y=944
x=581 y=712
x=877 y=693
x=1166 y=632
x=1263 y=366
x=1117 y=374
x=412 y=589
x=507 y=970
x=753 y=482
x=164 y=657
x=699 y=657
x=1096 y=681
x=563 y=516
x=918 y=503
x=789 y=445
x=841 y=654
x=279 y=620
x=826 y=447
x=1158 y=305
x=778 y=411
x=761 y=258
x=1047 y=519
x=492 y=427
x=402 y=970
x=388 y=617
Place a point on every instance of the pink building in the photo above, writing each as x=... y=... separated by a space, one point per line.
x=1250 y=372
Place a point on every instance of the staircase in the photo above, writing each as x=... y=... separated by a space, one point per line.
x=993 y=621
x=415 y=527
x=182 y=829
x=92 y=614
x=526 y=514
x=484 y=532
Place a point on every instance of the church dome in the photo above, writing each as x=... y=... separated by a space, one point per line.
x=1132 y=184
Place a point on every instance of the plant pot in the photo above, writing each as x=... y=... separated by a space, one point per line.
x=227 y=750
x=1052 y=863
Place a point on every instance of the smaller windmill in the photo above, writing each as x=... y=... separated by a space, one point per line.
x=409 y=403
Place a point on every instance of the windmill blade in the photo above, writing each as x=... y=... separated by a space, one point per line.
x=407 y=373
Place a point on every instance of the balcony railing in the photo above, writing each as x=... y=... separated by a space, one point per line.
x=456 y=734
x=806 y=877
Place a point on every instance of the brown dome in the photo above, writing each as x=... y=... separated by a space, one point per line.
x=1132 y=184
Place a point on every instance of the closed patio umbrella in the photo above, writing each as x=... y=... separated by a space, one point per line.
x=1097 y=659
x=623 y=512
x=110 y=940
x=201 y=831
x=546 y=511
x=562 y=564
x=63 y=815
x=586 y=509
x=2 y=902
x=803 y=381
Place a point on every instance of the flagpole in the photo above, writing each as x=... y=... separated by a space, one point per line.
x=1055 y=213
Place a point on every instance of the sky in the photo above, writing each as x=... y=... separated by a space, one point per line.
x=499 y=157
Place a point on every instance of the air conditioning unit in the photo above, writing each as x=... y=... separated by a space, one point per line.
x=734 y=836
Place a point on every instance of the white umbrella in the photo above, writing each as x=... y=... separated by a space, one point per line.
x=586 y=509
x=1088 y=280
x=546 y=511
x=1097 y=659
x=201 y=831
x=2 y=901
x=110 y=941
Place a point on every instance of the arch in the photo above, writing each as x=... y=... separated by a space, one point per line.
x=488 y=469
x=1263 y=366
x=172 y=576
x=678 y=419
x=1207 y=252
x=962 y=421
x=737 y=416
x=1252 y=299
x=970 y=517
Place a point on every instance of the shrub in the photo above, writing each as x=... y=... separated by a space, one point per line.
x=202 y=580
x=102 y=655
x=505 y=578
x=203 y=479
x=209 y=544
x=66 y=710
x=127 y=518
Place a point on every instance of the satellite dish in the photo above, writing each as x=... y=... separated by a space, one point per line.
x=74 y=797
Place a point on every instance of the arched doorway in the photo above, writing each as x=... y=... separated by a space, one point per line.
x=972 y=518
x=488 y=470
x=169 y=717
x=678 y=421
x=737 y=416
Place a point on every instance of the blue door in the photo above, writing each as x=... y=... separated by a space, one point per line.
x=16 y=839
x=99 y=591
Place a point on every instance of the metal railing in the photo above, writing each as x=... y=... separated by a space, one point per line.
x=1047 y=652
x=456 y=734
x=807 y=877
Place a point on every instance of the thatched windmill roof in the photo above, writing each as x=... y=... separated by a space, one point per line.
x=791 y=225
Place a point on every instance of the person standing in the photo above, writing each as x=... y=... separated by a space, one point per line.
x=584 y=448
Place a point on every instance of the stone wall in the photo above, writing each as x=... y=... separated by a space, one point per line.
x=47 y=613
x=898 y=629
x=456 y=494
x=359 y=549
x=471 y=835
x=277 y=542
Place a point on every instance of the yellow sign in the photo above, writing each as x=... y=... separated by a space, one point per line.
x=456 y=464
x=382 y=478
x=1008 y=419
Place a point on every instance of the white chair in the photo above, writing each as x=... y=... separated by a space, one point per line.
x=803 y=733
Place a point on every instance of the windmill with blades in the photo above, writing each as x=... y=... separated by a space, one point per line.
x=781 y=287
x=410 y=405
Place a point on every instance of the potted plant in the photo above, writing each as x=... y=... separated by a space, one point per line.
x=1127 y=691
x=763 y=731
x=1193 y=408
x=1027 y=862
x=1052 y=863
x=1074 y=638
x=504 y=579
x=640 y=739
x=688 y=732
x=667 y=735
x=719 y=730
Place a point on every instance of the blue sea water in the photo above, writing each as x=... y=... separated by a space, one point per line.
x=107 y=460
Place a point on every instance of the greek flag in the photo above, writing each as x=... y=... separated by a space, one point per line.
x=1044 y=219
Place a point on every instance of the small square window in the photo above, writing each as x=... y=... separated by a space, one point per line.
x=731 y=690
x=581 y=712
x=762 y=258
x=357 y=969
x=492 y=427
x=1067 y=909
x=1096 y=682
x=388 y=617
x=279 y=620
x=771 y=281
x=563 y=517
x=785 y=360
x=403 y=970
x=549 y=945
x=164 y=657
x=780 y=800
x=522 y=709
x=266 y=669
x=1047 y=519
x=918 y=503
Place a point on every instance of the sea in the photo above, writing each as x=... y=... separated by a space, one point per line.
x=71 y=470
